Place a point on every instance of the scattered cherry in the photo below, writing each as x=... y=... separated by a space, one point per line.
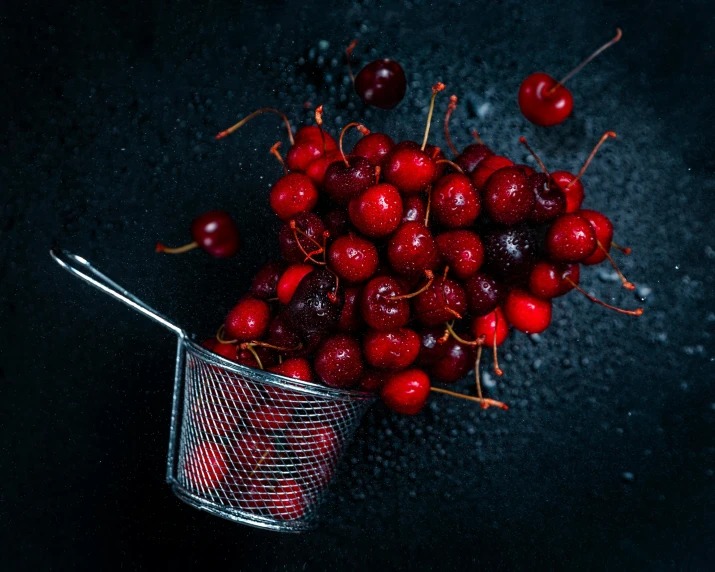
x=526 y=312
x=484 y=294
x=552 y=279
x=315 y=306
x=454 y=364
x=350 y=320
x=571 y=238
x=214 y=231
x=433 y=345
x=604 y=235
x=549 y=199
x=571 y=188
x=292 y=194
x=381 y=83
x=406 y=392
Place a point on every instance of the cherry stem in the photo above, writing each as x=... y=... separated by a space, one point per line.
x=308 y=255
x=484 y=402
x=522 y=140
x=255 y=355
x=439 y=86
x=360 y=127
x=219 y=336
x=277 y=154
x=497 y=369
x=592 y=155
x=579 y=67
x=319 y=121
x=451 y=164
x=430 y=278
x=444 y=338
x=333 y=296
x=476 y=372
x=636 y=312
x=260 y=462
x=476 y=136
x=450 y=109
x=624 y=249
x=349 y=52
x=429 y=205
x=377 y=175
x=251 y=116
x=178 y=250
x=626 y=284
x=254 y=343
x=477 y=342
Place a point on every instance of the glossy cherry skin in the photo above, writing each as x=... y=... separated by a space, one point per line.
x=289 y=280
x=310 y=224
x=571 y=238
x=377 y=211
x=297 y=368
x=314 y=133
x=430 y=306
x=409 y=169
x=483 y=294
x=551 y=279
x=507 y=197
x=227 y=351
x=248 y=320
x=281 y=333
x=353 y=258
x=317 y=168
x=414 y=209
x=308 y=147
x=549 y=200
x=216 y=233
x=339 y=361
x=510 y=253
x=245 y=357
x=487 y=326
x=406 y=392
x=381 y=83
x=472 y=155
x=374 y=380
x=433 y=346
x=374 y=147
x=455 y=201
x=542 y=106
x=350 y=318
x=487 y=167
x=393 y=350
x=412 y=249
x=572 y=191
x=462 y=251
x=526 y=312
x=603 y=228
x=377 y=307
x=343 y=182
x=265 y=282
x=455 y=364
x=207 y=465
x=293 y=193
x=315 y=307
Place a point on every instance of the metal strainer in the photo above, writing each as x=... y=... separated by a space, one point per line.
x=246 y=445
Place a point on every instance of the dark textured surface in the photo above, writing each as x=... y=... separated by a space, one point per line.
x=606 y=458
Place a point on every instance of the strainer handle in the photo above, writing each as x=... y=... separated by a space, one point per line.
x=83 y=269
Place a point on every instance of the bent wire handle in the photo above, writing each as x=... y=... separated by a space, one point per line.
x=83 y=269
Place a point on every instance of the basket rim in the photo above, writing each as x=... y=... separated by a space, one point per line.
x=269 y=378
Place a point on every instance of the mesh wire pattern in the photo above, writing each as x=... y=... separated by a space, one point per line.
x=259 y=448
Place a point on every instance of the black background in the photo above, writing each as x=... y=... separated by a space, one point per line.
x=107 y=115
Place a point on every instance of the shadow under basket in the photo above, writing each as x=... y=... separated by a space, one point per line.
x=246 y=445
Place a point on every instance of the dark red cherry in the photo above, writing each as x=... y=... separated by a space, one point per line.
x=337 y=222
x=247 y=358
x=487 y=167
x=414 y=209
x=572 y=189
x=268 y=418
x=313 y=440
x=265 y=282
x=443 y=301
x=285 y=501
x=412 y=249
x=248 y=320
x=433 y=346
x=343 y=182
x=408 y=168
x=493 y=323
x=281 y=333
x=289 y=280
x=526 y=312
x=462 y=251
x=379 y=308
x=394 y=350
x=292 y=194
x=250 y=449
x=317 y=168
x=455 y=364
x=510 y=253
x=381 y=83
x=215 y=232
x=339 y=361
x=552 y=279
x=374 y=380
x=483 y=294
x=373 y=147
x=455 y=201
x=224 y=350
x=350 y=318
x=604 y=235
x=315 y=306
x=472 y=156
x=549 y=200
x=377 y=211
x=295 y=251
x=406 y=392
x=571 y=238
x=297 y=368
x=528 y=171
x=544 y=101
x=353 y=258
x=507 y=196
x=207 y=465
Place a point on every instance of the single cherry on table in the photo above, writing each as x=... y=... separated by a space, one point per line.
x=213 y=231
x=381 y=83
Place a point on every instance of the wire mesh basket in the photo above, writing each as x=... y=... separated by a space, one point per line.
x=246 y=445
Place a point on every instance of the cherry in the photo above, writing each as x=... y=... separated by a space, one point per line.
x=433 y=346
x=337 y=222
x=293 y=193
x=206 y=465
x=314 y=440
x=268 y=418
x=483 y=294
x=350 y=319
x=604 y=235
x=462 y=251
x=315 y=307
x=317 y=168
x=443 y=300
x=287 y=500
x=374 y=380
x=507 y=196
x=472 y=156
x=571 y=188
x=549 y=280
x=299 y=238
x=455 y=364
x=487 y=167
x=414 y=209
x=510 y=253
x=373 y=147
x=526 y=312
x=412 y=249
x=265 y=282
x=289 y=281
x=348 y=178
x=377 y=211
x=256 y=358
x=549 y=200
x=493 y=327
x=545 y=101
x=248 y=320
x=227 y=351
x=455 y=201
x=311 y=144
x=394 y=350
x=214 y=231
x=246 y=119
x=406 y=392
x=297 y=368
x=251 y=450
x=383 y=305
x=280 y=332
x=339 y=361
x=353 y=258
x=571 y=238
x=381 y=83
x=314 y=133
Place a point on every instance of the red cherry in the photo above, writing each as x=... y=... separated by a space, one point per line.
x=317 y=168
x=290 y=279
x=549 y=200
x=571 y=188
x=266 y=279
x=268 y=418
x=414 y=209
x=406 y=392
x=442 y=301
x=571 y=238
x=314 y=440
x=433 y=346
x=462 y=251
x=300 y=237
x=526 y=312
x=507 y=197
x=287 y=500
x=455 y=201
x=487 y=167
x=252 y=450
x=383 y=305
x=345 y=181
x=373 y=147
x=604 y=235
x=293 y=193
x=215 y=232
x=350 y=319
x=248 y=320
x=549 y=280
x=227 y=351
x=374 y=380
x=455 y=364
x=483 y=294
x=409 y=169
x=315 y=133
x=412 y=249
x=309 y=146
x=339 y=362
x=206 y=465
x=381 y=83
x=487 y=326
x=391 y=350
x=472 y=156
x=353 y=258
x=377 y=211
x=297 y=368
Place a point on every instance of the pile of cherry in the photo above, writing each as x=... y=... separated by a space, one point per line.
x=400 y=266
